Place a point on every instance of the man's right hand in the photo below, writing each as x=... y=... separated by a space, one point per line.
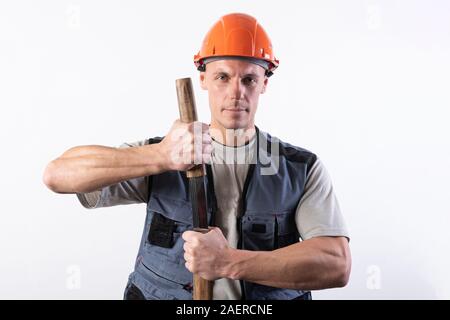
x=186 y=145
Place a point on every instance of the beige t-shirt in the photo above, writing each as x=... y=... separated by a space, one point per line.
x=229 y=167
x=317 y=214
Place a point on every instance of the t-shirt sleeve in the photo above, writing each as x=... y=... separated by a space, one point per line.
x=125 y=192
x=318 y=213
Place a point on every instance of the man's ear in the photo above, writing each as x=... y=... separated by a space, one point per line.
x=266 y=81
x=203 y=81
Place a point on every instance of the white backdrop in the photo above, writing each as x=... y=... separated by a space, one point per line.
x=364 y=84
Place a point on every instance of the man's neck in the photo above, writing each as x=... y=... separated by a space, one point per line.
x=232 y=137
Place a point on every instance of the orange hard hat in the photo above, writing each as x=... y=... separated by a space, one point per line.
x=237 y=35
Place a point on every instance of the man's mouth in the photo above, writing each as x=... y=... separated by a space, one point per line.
x=235 y=109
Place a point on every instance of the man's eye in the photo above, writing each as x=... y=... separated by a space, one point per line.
x=249 y=81
x=222 y=77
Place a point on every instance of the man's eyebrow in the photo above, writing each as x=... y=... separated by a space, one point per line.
x=220 y=71
x=251 y=74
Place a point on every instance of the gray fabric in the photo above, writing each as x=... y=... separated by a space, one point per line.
x=89 y=200
x=317 y=214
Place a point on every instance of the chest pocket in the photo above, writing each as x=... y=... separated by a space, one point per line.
x=162 y=252
x=285 y=232
x=268 y=231
x=170 y=217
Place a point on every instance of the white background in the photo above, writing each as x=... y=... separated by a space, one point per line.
x=364 y=84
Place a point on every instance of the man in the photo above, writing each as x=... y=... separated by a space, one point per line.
x=279 y=231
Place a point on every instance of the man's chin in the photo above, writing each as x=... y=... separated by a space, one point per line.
x=235 y=125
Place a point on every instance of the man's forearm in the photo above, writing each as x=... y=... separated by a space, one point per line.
x=88 y=168
x=318 y=263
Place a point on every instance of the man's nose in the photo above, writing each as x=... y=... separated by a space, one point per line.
x=235 y=89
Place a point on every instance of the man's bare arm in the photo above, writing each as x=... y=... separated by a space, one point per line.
x=317 y=263
x=85 y=169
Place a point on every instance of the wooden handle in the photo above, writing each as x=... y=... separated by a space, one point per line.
x=188 y=114
x=186 y=100
x=203 y=289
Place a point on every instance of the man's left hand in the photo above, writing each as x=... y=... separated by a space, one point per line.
x=206 y=254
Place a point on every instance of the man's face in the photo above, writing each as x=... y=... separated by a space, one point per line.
x=233 y=87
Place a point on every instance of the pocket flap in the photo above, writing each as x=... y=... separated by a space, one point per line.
x=175 y=209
